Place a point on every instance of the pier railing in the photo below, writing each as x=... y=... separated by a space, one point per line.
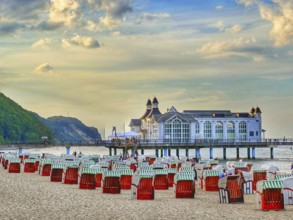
x=156 y=142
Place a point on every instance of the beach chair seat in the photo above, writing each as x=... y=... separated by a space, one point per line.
x=184 y=185
x=88 y=178
x=126 y=178
x=210 y=180
x=29 y=165
x=171 y=174
x=70 y=175
x=161 y=179
x=288 y=190
x=142 y=186
x=230 y=190
x=269 y=195
x=45 y=168
x=14 y=165
x=111 y=182
x=57 y=172
x=258 y=175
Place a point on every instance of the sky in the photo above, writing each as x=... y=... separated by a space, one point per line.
x=100 y=60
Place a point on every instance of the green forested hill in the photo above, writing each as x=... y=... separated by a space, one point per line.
x=18 y=124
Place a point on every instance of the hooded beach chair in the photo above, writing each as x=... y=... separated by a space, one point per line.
x=111 y=182
x=14 y=165
x=269 y=195
x=184 y=185
x=57 y=172
x=230 y=190
x=142 y=186
x=258 y=175
x=29 y=165
x=210 y=180
x=161 y=179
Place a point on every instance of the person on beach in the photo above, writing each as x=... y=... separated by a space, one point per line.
x=231 y=170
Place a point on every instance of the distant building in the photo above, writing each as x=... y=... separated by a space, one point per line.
x=190 y=125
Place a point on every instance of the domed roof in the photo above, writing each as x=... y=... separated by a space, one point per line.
x=258 y=110
x=252 y=111
x=155 y=101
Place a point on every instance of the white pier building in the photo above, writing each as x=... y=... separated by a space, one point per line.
x=198 y=125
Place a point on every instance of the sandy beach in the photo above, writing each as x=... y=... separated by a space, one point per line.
x=31 y=196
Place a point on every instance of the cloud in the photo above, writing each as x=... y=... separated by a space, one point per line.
x=149 y=17
x=42 y=43
x=10 y=27
x=237 y=47
x=220 y=25
x=23 y=9
x=114 y=13
x=66 y=12
x=247 y=3
x=44 y=68
x=281 y=17
x=219 y=7
x=81 y=41
x=234 y=29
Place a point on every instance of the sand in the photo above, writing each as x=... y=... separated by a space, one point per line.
x=31 y=196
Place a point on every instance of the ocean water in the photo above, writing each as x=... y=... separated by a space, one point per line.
x=283 y=155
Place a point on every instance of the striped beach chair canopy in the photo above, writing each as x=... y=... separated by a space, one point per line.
x=89 y=171
x=213 y=161
x=219 y=168
x=72 y=164
x=170 y=170
x=283 y=176
x=34 y=156
x=240 y=164
x=184 y=176
x=29 y=161
x=146 y=174
x=146 y=169
x=60 y=166
x=158 y=166
x=186 y=164
x=126 y=172
x=210 y=173
x=260 y=171
x=161 y=171
x=13 y=160
x=110 y=173
x=143 y=164
x=9 y=155
x=186 y=169
x=104 y=164
x=268 y=184
x=46 y=161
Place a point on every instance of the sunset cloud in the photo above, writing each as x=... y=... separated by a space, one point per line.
x=43 y=68
x=81 y=41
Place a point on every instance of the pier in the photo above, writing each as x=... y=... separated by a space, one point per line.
x=161 y=147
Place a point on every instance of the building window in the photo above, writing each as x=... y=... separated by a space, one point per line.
x=197 y=129
x=230 y=130
x=207 y=130
x=219 y=130
x=177 y=130
x=251 y=133
x=242 y=131
x=155 y=131
x=256 y=133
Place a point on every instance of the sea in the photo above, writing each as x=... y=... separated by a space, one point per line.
x=283 y=155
